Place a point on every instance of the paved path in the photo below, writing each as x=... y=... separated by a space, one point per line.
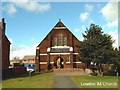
x=71 y=72
x=64 y=82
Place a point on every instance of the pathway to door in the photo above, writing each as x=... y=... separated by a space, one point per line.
x=64 y=82
x=62 y=77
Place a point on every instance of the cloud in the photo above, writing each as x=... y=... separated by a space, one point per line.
x=112 y=24
x=22 y=50
x=81 y=38
x=119 y=39
x=114 y=35
x=33 y=6
x=84 y=16
x=110 y=11
x=18 y=0
x=76 y=30
x=83 y=29
x=10 y=9
x=27 y=5
x=88 y=7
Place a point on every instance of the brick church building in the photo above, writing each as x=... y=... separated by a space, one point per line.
x=57 y=50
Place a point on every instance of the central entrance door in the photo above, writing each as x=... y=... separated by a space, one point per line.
x=59 y=63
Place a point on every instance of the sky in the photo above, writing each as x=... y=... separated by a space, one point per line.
x=28 y=22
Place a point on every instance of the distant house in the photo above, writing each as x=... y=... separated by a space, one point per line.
x=29 y=60
x=4 y=46
x=14 y=62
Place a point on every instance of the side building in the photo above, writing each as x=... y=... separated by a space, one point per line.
x=4 y=51
x=4 y=46
x=57 y=50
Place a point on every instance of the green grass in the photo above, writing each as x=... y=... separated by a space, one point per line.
x=38 y=81
x=46 y=81
x=82 y=80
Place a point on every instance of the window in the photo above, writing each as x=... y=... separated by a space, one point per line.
x=65 y=41
x=50 y=59
x=60 y=39
x=55 y=41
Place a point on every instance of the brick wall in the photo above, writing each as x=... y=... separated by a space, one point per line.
x=13 y=72
x=5 y=52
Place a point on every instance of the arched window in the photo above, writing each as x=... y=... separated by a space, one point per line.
x=65 y=41
x=60 y=39
x=55 y=41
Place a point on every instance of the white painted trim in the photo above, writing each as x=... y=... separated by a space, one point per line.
x=43 y=62
x=71 y=48
x=61 y=47
x=51 y=62
x=37 y=47
x=76 y=62
x=68 y=62
x=75 y=53
x=48 y=49
x=59 y=53
x=59 y=27
x=42 y=54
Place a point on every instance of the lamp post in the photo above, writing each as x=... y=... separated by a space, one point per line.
x=91 y=64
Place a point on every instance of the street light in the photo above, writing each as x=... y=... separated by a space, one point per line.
x=91 y=64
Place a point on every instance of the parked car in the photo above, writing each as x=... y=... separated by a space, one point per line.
x=31 y=68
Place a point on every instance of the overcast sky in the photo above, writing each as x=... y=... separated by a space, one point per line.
x=28 y=22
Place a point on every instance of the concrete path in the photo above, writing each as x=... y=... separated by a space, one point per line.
x=71 y=72
x=64 y=82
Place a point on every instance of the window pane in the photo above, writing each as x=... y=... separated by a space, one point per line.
x=65 y=41
x=60 y=39
x=55 y=41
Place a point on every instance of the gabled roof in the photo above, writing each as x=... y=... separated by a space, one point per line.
x=57 y=26
x=1 y=28
x=29 y=57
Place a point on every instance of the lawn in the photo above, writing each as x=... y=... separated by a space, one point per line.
x=37 y=81
x=96 y=82
x=46 y=81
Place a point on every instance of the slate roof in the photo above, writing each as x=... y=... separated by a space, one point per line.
x=29 y=57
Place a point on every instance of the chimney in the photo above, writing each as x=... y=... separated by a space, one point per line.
x=3 y=25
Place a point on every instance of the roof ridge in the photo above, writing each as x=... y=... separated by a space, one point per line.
x=59 y=24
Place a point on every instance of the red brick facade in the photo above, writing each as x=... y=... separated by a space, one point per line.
x=4 y=46
x=57 y=50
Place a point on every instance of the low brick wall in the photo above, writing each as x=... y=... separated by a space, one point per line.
x=11 y=72
x=19 y=71
x=7 y=73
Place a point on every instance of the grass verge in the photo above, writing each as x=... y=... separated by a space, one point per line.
x=96 y=82
x=37 y=81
